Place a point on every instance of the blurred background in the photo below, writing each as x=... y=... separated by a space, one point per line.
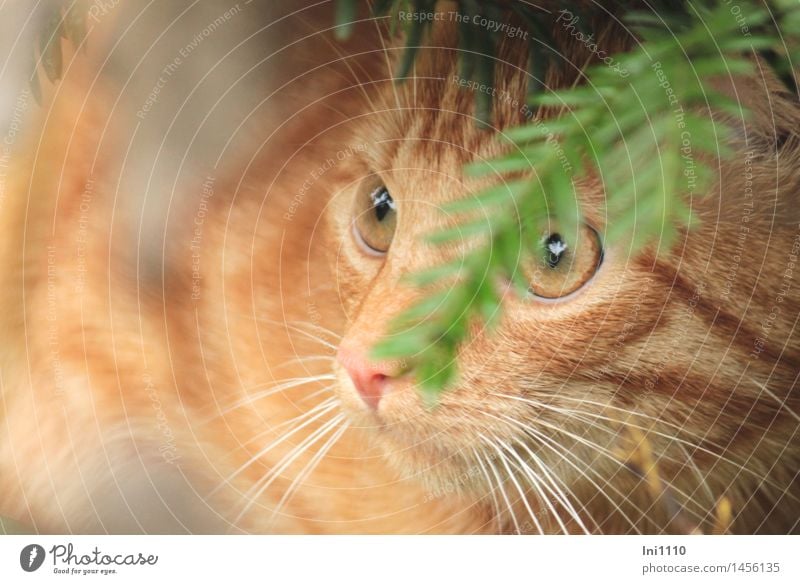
x=190 y=79
x=190 y=73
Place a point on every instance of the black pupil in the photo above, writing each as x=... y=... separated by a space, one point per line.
x=382 y=202
x=555 y=246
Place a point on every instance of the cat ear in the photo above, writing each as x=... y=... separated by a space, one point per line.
x=772 y=125
x=765 y=164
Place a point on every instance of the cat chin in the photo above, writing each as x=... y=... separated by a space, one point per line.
x=433 y=447
x=411 y=449
x=416 y=452
x=439 y=471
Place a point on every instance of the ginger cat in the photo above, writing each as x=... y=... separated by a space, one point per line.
x=228 y=388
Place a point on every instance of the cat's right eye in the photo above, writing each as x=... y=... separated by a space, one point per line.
x=375 y=216
x=562 y=265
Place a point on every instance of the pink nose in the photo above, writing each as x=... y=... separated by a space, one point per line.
x=371 y=380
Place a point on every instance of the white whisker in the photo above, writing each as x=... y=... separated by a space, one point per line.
x=255 y=492
x=317 y=327
x=581 y=415
x=313 y=463
x=522 y=494
x=303 y=360
x=611 y=456
x=504 y=495
x=292 y=422
x=307 y=334
x=288 y=384
x=272 y=445
x=492 y=488
x=780 y=402
x=554 y=445
x=538 y=485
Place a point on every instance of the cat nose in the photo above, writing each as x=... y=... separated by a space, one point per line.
x=370 y=379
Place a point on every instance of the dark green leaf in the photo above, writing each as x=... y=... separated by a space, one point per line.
x=346 y=11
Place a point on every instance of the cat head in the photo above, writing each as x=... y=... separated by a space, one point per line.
x=670 y=347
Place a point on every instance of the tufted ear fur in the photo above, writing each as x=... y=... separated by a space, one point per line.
x=775 y=112
x=766 y=142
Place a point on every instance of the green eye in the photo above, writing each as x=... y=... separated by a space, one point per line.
x=375 y=215
x=559 y=266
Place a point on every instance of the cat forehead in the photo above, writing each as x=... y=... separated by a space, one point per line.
x=431 y=113
x=439 y=131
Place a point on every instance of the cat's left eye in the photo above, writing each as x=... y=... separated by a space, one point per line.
x=375 y=216
x=563 y=263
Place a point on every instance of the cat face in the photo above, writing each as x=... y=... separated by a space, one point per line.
x=514 y=381
x=604 y=345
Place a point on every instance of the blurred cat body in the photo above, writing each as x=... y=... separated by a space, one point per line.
x=212 y=394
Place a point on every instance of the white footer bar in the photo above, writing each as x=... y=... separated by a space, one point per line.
x=399 y=559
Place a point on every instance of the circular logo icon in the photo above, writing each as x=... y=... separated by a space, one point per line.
x=31 y=557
